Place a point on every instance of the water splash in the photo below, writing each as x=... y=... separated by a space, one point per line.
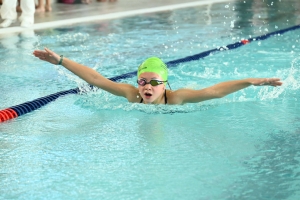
x=102 y=100
x=289 y=83
x=72 y=38
x=294 y=75
x=169 y=109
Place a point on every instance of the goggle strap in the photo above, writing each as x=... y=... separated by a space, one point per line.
x=169 y=85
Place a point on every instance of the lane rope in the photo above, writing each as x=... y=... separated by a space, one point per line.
x=24 y=108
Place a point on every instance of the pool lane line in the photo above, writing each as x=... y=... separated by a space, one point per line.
x=109 y=16
x=24 y=108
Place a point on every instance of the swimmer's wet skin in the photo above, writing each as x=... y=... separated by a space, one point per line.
x=152 y=79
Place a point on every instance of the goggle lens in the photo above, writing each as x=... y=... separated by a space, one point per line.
x=143 y=82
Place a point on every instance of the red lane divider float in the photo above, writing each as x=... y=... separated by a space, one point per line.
x=245 y=41
x=7 y=114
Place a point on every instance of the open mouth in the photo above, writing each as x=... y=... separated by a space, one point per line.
x=148 y=95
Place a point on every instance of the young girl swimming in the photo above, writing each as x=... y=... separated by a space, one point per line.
x=152 y=78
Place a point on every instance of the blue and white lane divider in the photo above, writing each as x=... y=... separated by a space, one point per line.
x=21 y=109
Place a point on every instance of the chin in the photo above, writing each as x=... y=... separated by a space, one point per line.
x=149 y=100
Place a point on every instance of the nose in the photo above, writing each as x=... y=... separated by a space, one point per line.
x=148 y=86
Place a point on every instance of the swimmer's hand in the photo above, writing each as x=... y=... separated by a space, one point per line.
x=266 y=81
x=47 y=55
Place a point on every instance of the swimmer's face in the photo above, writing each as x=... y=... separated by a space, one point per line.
x=149 y=93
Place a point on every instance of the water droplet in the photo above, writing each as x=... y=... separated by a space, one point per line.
x=232 y=24
x=227 y=6
x=276 y=27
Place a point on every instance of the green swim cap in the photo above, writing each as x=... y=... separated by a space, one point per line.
x=155 y=65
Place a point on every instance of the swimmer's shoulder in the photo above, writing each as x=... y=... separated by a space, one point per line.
x=174 y=97
x=132 y=94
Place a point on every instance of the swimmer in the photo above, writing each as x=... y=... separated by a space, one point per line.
x=152 y=79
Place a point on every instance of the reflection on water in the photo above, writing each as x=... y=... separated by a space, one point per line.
x=273 y=172
x=256 y=17
x=26 y=40
x=267 y=12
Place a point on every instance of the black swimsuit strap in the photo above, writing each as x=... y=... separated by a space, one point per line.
x=166 y=99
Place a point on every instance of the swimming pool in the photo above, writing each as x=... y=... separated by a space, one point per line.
x=97 y=146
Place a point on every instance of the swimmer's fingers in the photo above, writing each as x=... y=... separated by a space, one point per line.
x=268 y=81
x=40 y=54
x=47 y=55
x=275 y=83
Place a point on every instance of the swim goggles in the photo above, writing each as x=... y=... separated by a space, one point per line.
x=153 y=82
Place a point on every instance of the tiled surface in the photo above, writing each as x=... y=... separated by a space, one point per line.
x=67 y=11
x=63 y=14
x=62 y=11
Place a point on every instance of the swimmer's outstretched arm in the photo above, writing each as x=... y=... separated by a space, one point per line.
x=220 y=90
x=89 y=75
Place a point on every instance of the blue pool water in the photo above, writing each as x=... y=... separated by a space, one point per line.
x=98 y=146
